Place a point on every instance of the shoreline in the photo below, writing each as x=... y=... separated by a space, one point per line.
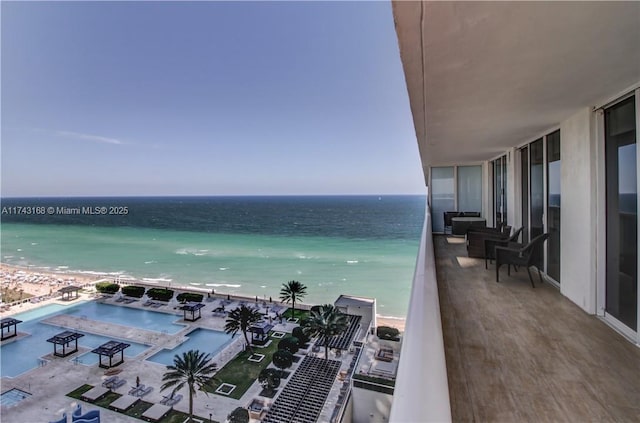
x=39 y=282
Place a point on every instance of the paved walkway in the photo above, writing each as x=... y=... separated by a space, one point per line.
x=515 y=353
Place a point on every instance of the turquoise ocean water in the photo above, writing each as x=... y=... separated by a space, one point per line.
x=360 y=245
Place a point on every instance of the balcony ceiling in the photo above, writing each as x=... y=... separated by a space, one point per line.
x=486 y=76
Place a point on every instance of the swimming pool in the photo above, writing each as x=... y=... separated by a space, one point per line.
x=12 y=397
x=126 y=316
x=24 y=354
x=204 y=340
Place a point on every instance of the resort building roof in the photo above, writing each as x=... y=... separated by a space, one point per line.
x=344 y=340
x=303 y=397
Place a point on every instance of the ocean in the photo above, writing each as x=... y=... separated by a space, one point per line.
x=357 y=245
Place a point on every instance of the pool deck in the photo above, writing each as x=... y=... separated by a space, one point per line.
x=49 y=384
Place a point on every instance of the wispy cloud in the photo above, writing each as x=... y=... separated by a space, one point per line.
x=90 y=137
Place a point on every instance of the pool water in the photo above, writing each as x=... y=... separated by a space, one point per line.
x=204 y=340
x=132 y=317
x=24 y=354
x=12 y=397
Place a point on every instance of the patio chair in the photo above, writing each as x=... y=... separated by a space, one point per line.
x=470 y=214
x=491 y=243
x=448 y=215
x=519 y=255
x=476 y=237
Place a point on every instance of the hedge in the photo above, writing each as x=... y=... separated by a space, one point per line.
x=289 y=343
x=107 y=287
x=239 y=415
x=133 y=291
x=190 y=297
x=160 y=294
x=388 y=333
x=298 y=332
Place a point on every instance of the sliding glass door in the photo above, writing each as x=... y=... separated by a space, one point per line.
x=622 y=214
x=524 y=187
x=540 y=181
x=442 y=195
x=553 y=205
x=500 y=190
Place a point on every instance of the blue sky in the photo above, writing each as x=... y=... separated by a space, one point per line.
x=204 y=98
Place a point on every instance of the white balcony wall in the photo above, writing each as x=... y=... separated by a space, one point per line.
x=422 y=388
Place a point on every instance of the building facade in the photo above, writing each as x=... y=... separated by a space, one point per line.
x=529 y=113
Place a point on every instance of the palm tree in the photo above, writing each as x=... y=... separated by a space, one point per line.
x=194 y=369
x=327 y=321
x=240 y=319
x=293 y=291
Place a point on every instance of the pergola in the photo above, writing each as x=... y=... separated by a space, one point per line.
x=192 y=308
x=64 y=339
x=261 y=329
x=110 y=349
x=7 y=323
x=71 y=292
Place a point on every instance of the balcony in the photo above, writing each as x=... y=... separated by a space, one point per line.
x=477 y=350
x=515 y=353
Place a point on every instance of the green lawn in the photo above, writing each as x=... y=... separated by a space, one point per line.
x=300 y=314
x=242 y=372
x=137 y=410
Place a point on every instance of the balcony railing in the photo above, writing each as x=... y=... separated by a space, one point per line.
x=422 y=390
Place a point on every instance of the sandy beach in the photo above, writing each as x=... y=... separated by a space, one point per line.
x=40 y=282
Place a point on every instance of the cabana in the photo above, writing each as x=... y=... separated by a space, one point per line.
x=64 y=339
x=110 y=349
x=192 y=308
x=7 y=323
x=261 y=329
x=69 y=292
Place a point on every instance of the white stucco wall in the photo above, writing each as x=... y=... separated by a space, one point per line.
x=578 y=210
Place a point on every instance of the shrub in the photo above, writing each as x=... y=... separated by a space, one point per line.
x=298 y=332
x=269 y=379
x=388 y=333
x=107 y=287
x=290 y=344
x=282 y=359
x=315 y=308
x=161 y=294
x=133 y=291
x=239 y=415
x=190 y=297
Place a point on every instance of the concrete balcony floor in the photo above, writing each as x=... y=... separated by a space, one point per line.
x=515 y=353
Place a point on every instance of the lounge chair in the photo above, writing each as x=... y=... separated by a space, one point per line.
x=134 y=390
x=520 y=255
x=108 y=381
x=117 y=384
x=384 y=354
x=145 y=391
x=171 y=401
